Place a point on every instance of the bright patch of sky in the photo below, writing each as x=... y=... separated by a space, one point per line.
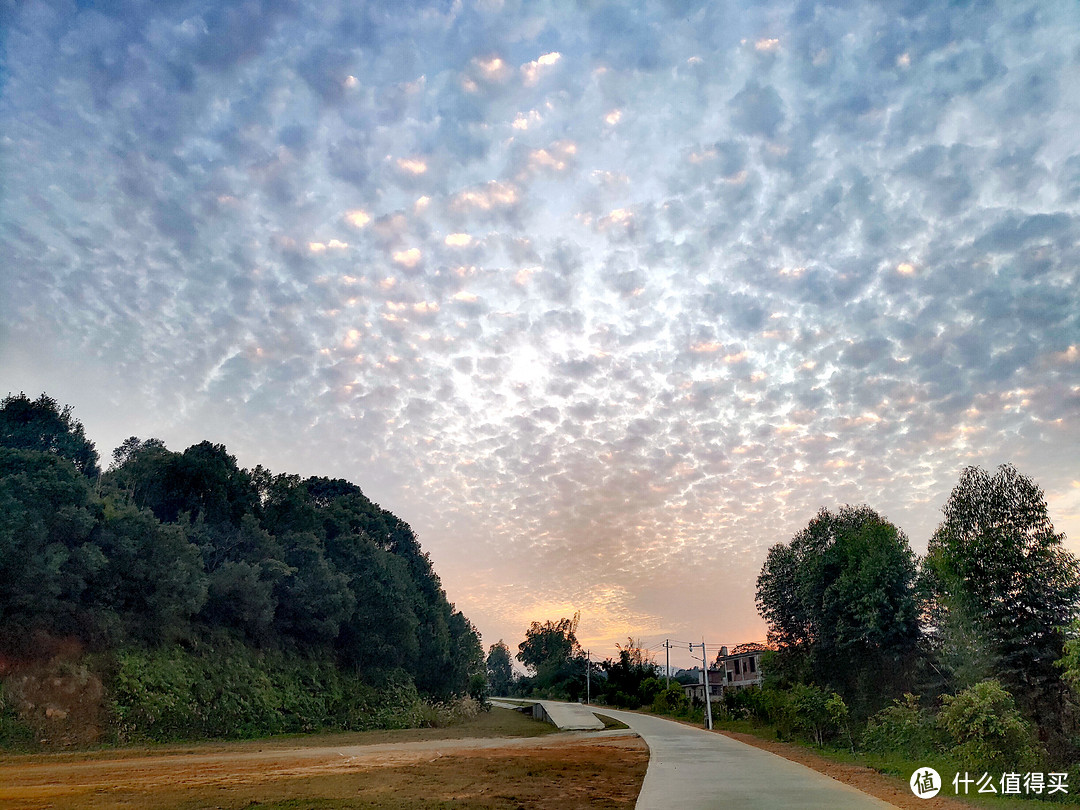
x=604 y=299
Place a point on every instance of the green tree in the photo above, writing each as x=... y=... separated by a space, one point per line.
x=841 y=606
x=998 y=568
x=153 y=581
x=42 y=425
x=48 y=559
x=315 y=598
x=631 y=676
x=549 y=650
x=465 y=672
x=500 y=670
x=549 y=644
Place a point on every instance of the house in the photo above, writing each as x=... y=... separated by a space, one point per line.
x=696 y=691
x=741 y=667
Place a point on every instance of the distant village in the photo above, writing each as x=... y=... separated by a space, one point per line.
x=737 y=668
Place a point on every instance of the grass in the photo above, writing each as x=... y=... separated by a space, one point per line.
x=610 y=722
x=495 y=723
x=901 y=768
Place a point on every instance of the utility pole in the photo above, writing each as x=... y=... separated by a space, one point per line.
x=708 y=696
x=667 y=652
x=588 y=677
x=705 y=671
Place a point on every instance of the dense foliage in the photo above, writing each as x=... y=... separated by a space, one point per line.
x=186 y=547
x=841 y=606
x=500 y=670
x=228 y=689
x=631 y=678
x=1004 y=590
x=993 y=605
x=559 y=667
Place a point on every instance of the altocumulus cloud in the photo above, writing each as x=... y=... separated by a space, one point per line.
x=604 y=299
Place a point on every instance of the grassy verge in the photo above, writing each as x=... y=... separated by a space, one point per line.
x=610 y=722
x=899 y=768
x=495 y=723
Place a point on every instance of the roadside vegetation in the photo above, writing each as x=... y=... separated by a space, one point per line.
x=177 y=595
x=967 y=660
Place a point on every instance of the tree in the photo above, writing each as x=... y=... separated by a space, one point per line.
x=841 y=605
x=631 y=677
x=152 y=582
x=998 y=567
x=551 y=651
x=44 y=426
x=48 y=512
x=500 y=671
x=549 y=645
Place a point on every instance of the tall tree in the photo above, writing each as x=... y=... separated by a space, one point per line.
x=48 y=512
x=500 y=671
x=998 y=567
x=627 y=675
x=841 y=605
x=548 y=648
x=42 y=425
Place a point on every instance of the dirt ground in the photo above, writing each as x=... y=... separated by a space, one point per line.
x=887 y=788
x=555 y=771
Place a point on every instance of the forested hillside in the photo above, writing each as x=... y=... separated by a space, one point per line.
x=171 y=550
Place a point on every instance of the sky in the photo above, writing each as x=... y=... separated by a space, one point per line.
x=604 y=299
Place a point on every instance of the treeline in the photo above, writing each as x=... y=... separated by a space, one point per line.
x=969 y=656
x=969 y=653
x=187 y=549
x=561 y=670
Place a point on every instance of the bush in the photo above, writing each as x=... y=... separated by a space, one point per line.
x=649 y=689
x=15 y=735
x=672 y=700
x=986 y=729
x=903 y=728
x=229 y=690
x=441 y=714
x=810 y=712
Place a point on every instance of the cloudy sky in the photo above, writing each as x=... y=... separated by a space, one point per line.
x=603 y=298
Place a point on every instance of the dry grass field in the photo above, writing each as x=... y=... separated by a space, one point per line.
x=488 y=763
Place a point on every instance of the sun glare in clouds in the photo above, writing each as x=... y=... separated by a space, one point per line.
x=458 y=240
x=408 y=258
x=412 y=165
x=357 y=218
x=628 y=293
x=531 y=71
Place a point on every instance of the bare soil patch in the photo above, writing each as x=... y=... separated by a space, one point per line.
x=555 y=771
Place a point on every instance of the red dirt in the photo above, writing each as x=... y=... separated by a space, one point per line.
x=547 y=772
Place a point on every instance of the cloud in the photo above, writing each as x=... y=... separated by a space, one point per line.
x=640 y=288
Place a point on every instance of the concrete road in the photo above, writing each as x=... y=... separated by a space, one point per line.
x=565 y=716
x=694 y=769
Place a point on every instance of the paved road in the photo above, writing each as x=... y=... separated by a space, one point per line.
x=694 y=769
x=565 y=716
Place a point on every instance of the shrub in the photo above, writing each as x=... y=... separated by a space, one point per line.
x=902 y=728
x=649 y=689
x=987 y=730
x=232 y=691
x=840 y=717
x=809 y=711
x=672 y=700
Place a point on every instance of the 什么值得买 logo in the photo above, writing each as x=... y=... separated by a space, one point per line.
x=925 y=783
